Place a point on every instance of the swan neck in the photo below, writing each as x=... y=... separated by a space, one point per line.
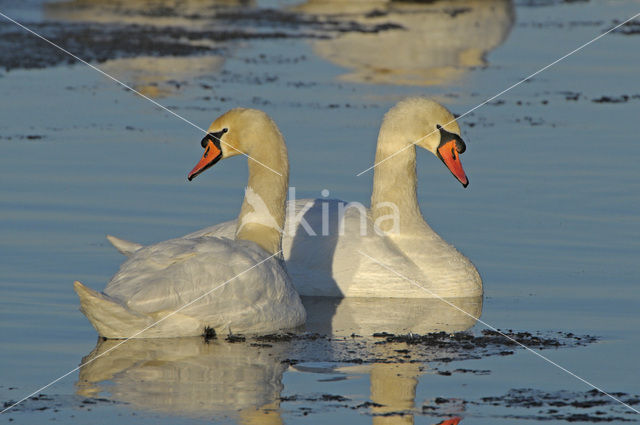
x=395 y=186
x=262 y=214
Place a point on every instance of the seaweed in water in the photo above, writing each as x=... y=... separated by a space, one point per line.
x=209 y=334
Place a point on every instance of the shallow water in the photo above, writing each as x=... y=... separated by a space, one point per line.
x=549 y=218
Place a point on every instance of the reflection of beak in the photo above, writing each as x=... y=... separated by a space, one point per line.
x=212 y=154
x=452 y=421
x=448 y=153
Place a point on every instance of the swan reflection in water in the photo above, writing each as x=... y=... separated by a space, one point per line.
x=243 y=380
x=392 y=385
x=431 y=43
x=188 y=376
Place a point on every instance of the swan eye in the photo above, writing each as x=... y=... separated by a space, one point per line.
x=446 y=137
x=213 y=137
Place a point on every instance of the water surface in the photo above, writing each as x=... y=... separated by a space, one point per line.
x=549 y=218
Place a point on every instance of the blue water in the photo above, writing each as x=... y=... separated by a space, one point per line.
x=549 y=219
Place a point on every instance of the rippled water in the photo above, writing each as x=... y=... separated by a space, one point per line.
x=550 y=217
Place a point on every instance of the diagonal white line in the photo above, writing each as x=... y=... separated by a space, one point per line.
x=433 y=294
x=137 y=333
x=503 y=92
x=132 y=89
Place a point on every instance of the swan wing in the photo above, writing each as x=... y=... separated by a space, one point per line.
x=226 y=284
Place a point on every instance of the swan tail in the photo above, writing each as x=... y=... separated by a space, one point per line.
x=110 y=318
x=113 y=320
x=125 y=247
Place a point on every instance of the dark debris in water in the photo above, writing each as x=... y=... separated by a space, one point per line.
x=289 y=336
x=367 y=404
x=95 y=42
x=44 y=402
x=630 y=28
x=99 y=42
x=588 y=406
x=28 y=137
x=265 y=341
x=489 y=338
x=260 y=345
x=571 y=96
x=440 y=349
x=517 y=404
x=91 y=42
x=235 y=338
x=275 y=337
x=383 y=347
x=546 y=3
x=322 y=397
x=209 y=334
x=295 y=21
x=616 y=99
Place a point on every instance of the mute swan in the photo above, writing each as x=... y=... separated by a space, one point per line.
x=333 y=265
x=254 y=293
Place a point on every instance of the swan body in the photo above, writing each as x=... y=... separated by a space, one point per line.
x=347 y=265
x=234 y=283
x=344 y=260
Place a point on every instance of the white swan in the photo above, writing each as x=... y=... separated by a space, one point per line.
x=254 y=293
x=334 y=265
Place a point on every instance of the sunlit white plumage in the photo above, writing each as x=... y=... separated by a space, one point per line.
x=238 y=280
x=410 y=247
x=336 y=264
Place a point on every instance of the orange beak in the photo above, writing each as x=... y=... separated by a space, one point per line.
x=212 y=154
x=449 y=154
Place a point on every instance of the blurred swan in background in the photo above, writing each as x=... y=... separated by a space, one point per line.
x=435 y=43
x=383 y=42
x=158 y=280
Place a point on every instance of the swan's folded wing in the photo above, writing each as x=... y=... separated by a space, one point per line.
x=217 y=272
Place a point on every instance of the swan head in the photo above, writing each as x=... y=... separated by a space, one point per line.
x=231 y=134
x=426 y=123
